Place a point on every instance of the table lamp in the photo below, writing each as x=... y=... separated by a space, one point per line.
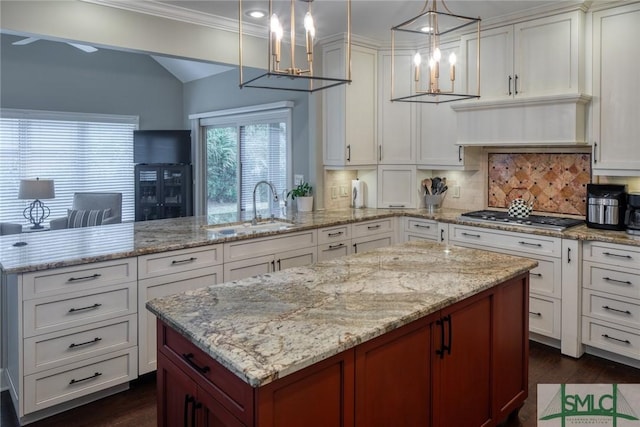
x=36 y=189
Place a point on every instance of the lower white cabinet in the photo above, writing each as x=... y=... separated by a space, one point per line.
x=611 y=298
x=420 y=229
x=73 y=335
x=369 y=235
x=249 y=267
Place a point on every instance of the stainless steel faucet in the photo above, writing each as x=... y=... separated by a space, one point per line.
x=254 y=221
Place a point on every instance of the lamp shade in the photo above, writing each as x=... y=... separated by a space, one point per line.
x=36 y=189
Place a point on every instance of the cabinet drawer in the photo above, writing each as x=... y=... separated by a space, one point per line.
x=611 y=337
x=496 y=239
x=423 y=227
x=365 y=244
x=546 y=278
x=71 y=279
x=73 y=345
x=604 y=306
x=69 y=382
x=53 y=313
x=243 y=249
x=367 y=228
x=333 y=250
x=234 y=394
x=334 y=234
x=609 y=253
x=544 y=316
x=615 y=280
x=164 y=263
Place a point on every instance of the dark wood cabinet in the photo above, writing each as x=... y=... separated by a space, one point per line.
x=465 y=365
x=163 y=191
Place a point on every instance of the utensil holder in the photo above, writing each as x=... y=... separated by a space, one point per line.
x=433 y=202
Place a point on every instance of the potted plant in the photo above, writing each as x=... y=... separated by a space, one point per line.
x=302 y=194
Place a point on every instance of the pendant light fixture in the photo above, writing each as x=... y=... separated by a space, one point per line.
x=284 y=69
x=428 y=36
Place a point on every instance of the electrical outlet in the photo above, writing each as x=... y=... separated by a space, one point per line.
x=298 y=179
x=455 y=192
x=334 y=192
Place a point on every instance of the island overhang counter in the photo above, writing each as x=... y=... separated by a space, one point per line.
x=413 y=334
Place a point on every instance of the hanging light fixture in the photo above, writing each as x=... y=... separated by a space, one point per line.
x=423 y=34
x=285 y=73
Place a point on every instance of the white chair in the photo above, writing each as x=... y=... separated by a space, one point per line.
x=92 y=202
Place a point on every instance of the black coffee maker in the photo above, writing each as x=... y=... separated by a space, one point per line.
x=632 y=217
x=606 y=206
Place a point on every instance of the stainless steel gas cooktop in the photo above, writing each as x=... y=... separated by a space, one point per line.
x=532 y=221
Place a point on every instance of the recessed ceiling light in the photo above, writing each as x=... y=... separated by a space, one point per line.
x=257 y=14
x=426 y=29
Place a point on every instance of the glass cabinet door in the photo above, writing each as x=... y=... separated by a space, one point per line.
x=173 y=181
x=148 y=180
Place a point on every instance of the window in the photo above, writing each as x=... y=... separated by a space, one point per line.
x=241 y=148
x=80 y=152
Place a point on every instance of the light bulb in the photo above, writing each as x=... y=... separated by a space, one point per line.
x=452 y=58
x=417 y=59
x=276 y=28
x=432 y=63
x=437 y=54
x=308 y=24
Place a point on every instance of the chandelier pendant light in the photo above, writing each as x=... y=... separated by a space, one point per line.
x=433 y=78
x=287 y=73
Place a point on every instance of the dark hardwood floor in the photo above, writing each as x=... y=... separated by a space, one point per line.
x=136 y=407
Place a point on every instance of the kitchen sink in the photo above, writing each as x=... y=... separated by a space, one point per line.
x=246 y=228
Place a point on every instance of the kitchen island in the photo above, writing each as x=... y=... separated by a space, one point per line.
x=413 y=334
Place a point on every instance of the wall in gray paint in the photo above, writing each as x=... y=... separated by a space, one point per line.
x=221 y=92
x=53 y=76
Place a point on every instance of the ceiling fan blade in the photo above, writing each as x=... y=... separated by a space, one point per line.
x=83 y=47
x=28 y=40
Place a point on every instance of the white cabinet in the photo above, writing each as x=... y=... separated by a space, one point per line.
x=369 y=235
x=168 y=273
x=545 y=281
x=533 y=58
x=611 y=300
x=616 y=67
x=349 y=111
x=397 y=186
x=420 y=229
x=73 y=334
x=246 y=258
x=334 y=242
x=396 y=120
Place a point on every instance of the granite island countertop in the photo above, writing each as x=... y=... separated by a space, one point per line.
x=62 y=248
x=269 y=326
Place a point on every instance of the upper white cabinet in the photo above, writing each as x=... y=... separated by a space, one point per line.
x=397 y=186
x=349 y=111
x=533 y=58
x=396 y=120
x=616 y=67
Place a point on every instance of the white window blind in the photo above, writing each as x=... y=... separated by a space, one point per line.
x=80 y=152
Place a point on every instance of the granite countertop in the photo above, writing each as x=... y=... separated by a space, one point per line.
x=269 y=326
x=61 y=248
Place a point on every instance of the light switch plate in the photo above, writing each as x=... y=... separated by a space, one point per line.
x=298 y=179
x=455 y=192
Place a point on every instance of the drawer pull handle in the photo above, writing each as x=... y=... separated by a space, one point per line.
x=538 y=245
x=189 y=358
x=373 y=227
x=339 y=233
x=471 y=235
x=396 y=206
x=74 y=381
x=535 y=314
x=93 y=341
x=75 y=279
x=616 y=255
x=339 y=245
x=182 y=261
x=616 y=339
x=421 y=226
x=624 y=282
x=535 y=274
x=606 y=307
x=90 y=307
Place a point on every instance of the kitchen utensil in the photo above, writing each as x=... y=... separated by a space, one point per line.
x=434 y=184
x=427 y=185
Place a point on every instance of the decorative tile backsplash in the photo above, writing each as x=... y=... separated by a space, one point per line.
x=557 y=182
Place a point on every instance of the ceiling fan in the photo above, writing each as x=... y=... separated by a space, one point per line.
x=82 y=47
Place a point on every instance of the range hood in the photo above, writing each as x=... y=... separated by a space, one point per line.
x=544 y=120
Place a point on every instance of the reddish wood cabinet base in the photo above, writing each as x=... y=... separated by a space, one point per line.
x=465 y=365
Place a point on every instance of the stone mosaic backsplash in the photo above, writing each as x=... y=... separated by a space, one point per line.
x=556 y=182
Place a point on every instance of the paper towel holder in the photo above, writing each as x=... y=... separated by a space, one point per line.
x=357 y=194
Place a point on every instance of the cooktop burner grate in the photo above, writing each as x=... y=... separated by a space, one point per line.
x=534 y=221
